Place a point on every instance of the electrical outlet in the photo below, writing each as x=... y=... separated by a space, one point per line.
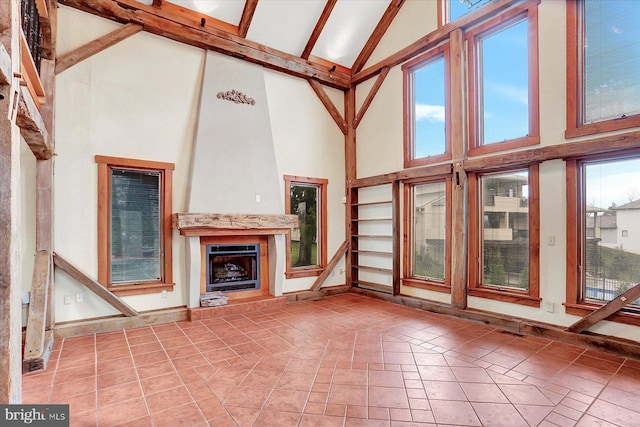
x=67 y=299
x=549 y=306
x=163 y=294
x=551 y=240
x=79 y=297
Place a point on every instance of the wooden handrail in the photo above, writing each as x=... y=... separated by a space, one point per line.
x=342 y=250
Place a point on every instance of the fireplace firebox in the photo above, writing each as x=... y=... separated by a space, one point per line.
x=233 y=267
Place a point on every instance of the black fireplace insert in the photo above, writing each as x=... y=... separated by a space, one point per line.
x=233 y=267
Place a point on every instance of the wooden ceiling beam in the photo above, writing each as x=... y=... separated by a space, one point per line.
x=369 y=99
x=376 y=36
x=315 y=34
x=247 y=16
x=71 y=58
x=212 y=39
x=329 y=105
x=436 y=37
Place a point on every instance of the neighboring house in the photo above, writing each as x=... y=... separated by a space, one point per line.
x=628 y=226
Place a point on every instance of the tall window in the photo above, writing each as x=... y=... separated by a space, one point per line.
x=504 y=235
x=426 y=87
x=503 y=83
x=134 y=222
x=603 y=66
x=603 y=231
x=307 y=245
x=427 y=241
x=450 y=10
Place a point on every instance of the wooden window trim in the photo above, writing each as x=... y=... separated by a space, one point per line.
x=293 y=273
x=528 y=12
x=105 y=164
x=419 y=282
x=575 y=77
x=408 y=90
x=475 y=287
x=575 y=303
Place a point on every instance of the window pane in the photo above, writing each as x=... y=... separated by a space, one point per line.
x=304 y=239
x=612 y=229
x=612 y=60
x=505 y=229
x=457 y=8
x=505 y=84
x=135 y=226
x=429 y=230
x=429 y=109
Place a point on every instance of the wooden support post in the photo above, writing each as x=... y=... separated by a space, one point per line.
x=10 y=257
x=36 y=348
x=606 y=310
x=350 y=175
x=459 y=178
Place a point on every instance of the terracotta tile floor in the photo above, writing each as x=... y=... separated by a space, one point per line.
x=346 y=360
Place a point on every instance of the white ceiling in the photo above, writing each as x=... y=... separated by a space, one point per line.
x=286 y=25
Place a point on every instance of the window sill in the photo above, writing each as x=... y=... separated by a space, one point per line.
x=304 y=272
x=424 y=161
x=139 y=289
x=587 y=308
x=427 y=285
x=506 y=145
x=506 y=296
x=602 y=127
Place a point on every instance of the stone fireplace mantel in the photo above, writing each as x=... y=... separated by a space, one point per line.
x=198 y=226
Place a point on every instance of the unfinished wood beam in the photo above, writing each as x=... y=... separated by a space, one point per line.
x=342 y=250
x=183 y=30
x=247 y=16
x=94 y=286
x=436 y=37
x=329 y=105
x=606 y=310
x=370 y=96
x=421 y=172
x=69 y=59
x=10 y=254
x=32 y=127
x=376 y=36
x=186 y=221
x=315 y=34
x=157 y=3
x=36 y=354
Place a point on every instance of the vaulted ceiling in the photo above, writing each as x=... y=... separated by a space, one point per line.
x=325 y=40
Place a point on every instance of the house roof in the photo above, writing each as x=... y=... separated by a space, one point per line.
x=631 y=205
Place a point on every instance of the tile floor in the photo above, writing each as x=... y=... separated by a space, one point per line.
x=346 y=360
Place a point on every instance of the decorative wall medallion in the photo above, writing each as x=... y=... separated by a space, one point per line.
x=236 y=97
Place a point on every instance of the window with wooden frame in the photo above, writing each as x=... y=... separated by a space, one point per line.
x=504 y=235
x=306 y=244
x=603 y=232
x=134 y=225
x=503 y=82
x=603 y=66
x=427 y=115
x=427 y=242
x=450 y=10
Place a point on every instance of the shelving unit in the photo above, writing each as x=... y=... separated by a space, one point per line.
x=375 y=245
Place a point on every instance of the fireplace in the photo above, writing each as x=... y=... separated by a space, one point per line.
x=232 y=267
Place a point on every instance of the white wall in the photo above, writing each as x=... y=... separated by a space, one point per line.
x=380 y=151
x=139 y=99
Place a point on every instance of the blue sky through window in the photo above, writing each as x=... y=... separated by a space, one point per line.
x=430 y=111
x=457 y=8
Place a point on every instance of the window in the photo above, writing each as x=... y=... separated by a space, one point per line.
x=503 y=83
x=134 y=225
x=602 y=262
x=307 y=244
x=603 y=66
x=450 y=10
x=426 y=108
x=427 y=241
x=504 y=235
